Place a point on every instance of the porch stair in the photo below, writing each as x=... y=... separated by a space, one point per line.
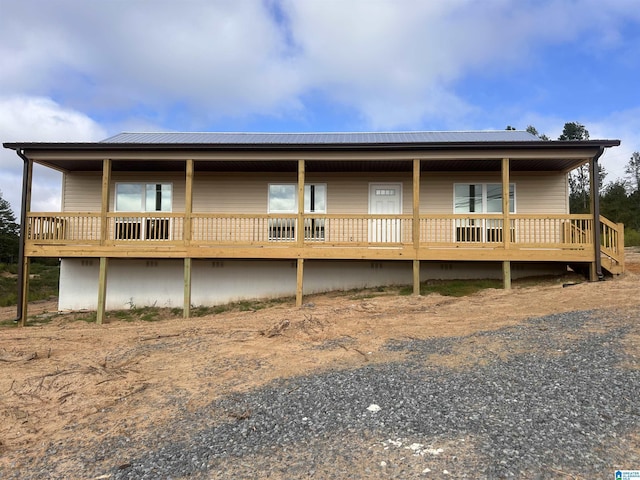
x=611 y=246
x=612 y=266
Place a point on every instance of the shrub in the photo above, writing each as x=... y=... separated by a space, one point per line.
x=631 y=237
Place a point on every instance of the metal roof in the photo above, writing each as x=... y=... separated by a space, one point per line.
x=337 y=138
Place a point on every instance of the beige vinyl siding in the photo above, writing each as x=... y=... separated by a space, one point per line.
x=535 y=192
x=541 y=193
x=235 y=193
x=347 y=193
x=81 y=192
x=243 y=193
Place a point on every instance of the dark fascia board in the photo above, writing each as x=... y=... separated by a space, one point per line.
x=100 y=146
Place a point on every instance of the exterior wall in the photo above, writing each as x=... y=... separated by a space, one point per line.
x=347 y=193
x=160 y=282
x=81 y=192
x=535 y=192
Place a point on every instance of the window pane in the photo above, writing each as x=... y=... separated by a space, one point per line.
x=282 y=198
x=494 y=198
x=315 y=198
x=128 y=197
x=158 y=197
x=468 y=198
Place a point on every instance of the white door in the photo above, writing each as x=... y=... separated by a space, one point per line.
x=385 y=199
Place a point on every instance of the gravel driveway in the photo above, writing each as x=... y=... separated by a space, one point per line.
x=554 y=397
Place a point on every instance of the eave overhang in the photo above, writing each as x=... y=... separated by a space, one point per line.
x=435 y=156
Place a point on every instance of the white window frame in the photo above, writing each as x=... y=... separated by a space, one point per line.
x=484 y=197
x=284 y=229
x=295 y=199
x=485 y=226
x=143 y=229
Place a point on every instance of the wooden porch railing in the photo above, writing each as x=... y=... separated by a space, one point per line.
x=475 y=230
x=612 y=240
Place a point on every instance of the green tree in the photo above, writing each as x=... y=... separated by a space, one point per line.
x=632 y=170
x=534 y=131
x=615 y=204
x=9 y=233
x=579 y=178
x=574 y=131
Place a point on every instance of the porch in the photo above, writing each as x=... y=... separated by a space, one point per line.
x=452 y=237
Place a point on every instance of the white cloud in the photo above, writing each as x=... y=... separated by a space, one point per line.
x=625 y=126
x=395 y=63
x=152 y=65
x=212 y=57
x=38 y=119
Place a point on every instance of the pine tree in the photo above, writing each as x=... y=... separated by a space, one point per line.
x=9 y=233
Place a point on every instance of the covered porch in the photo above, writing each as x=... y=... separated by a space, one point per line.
x=417 y=236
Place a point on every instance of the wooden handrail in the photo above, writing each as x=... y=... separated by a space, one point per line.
x=472 y=229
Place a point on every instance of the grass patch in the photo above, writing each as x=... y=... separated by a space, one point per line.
x=453 y=288
x=154 y=314
x=43 y=282
x=631 y=238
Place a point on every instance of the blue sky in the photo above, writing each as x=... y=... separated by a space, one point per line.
x=78 y=70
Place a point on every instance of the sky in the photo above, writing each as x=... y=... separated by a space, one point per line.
x=80 y=70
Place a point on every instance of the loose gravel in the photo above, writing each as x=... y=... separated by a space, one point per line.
x=553 y=397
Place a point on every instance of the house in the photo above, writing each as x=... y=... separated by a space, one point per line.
x=183 y=219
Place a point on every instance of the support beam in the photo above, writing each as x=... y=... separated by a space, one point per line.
x=186 y=312
x=301 y=180
x=595 y=270
x=506 y=275
x=104 y=206
x=188 y=202
x=102 y=290
x=416 y=225
x=23 y=273
x=506 y=220
x=416 y=204
x=299 y=281
x=188 y=209
x=25 y=290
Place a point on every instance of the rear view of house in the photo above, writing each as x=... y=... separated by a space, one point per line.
x=182 y=219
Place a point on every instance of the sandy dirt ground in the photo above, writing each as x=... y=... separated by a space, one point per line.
x=72 y=379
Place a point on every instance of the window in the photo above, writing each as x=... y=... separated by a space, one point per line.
x=480 y=198
x=140 y=198
x=283 y=199
x=143 y=197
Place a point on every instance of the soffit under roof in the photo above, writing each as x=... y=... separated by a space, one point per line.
x=320 y=166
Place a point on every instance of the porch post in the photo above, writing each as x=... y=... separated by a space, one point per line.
x=416 y=226
x=186 y=312
x=506 y=224
x=104 y=206
x=102 y=290
x=186 y=235
x=188 y=203
x=595 y=269
x=104 y=227
x=23 y=274
x=299 y=281
x=300 y=233
x=300 y=227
